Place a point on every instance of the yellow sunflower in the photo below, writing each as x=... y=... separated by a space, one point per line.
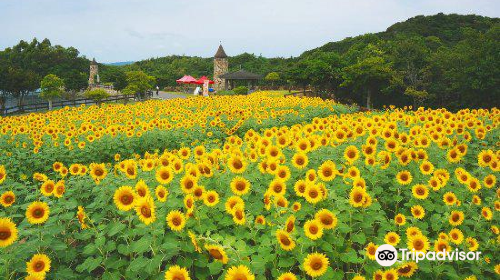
x=313 y=229
x=400 y=219
x=98 y=171
x=300 y=160
x=284 y=239
x=351 y=154
x=456 y=218
x=176 y=220
x=217 y=252
x=371 y=249
x=287 y=276
x=240 y=186
x=161 y=193
x=456 y=236
x=441 y=245
x=145 y=210
x=8 y=232
x=327 y=171
x=313 y=193
x=177 y=273
x=418 y=242
x=327 y=218
x=239 y=214
x=164 y=175
x=142 y=189
x=450 y=198
x=392 y=238
x=404 y=177
x=37 y=212
x=420 y=191
x=391 y=274
x=7 y=199
x=236 y=164
x=39 y=265
x=315 y=264
x=47 y=188
x=211 y=198
x=81 y=215
x=231 y=202
x=188 y=183
x=3 y=174
x=357 y=197
x=125 y=198
x=418 y=212
x=487 y=213
x=407 y=269
x=240 y=272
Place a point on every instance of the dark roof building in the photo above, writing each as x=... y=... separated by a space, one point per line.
x=240 y=75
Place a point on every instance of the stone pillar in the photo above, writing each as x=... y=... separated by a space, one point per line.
x=94 y=73
x=221 y=67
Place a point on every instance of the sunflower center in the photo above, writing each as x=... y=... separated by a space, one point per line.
x=313 y=229
x=98 y=172
x=239 y=215
x=316 y=265
x=240 y=186
x=326 y=220
x=5 y=234
x=145 y=211
x=126 y=199
x=216 y=254
x=299 y=161
x=38 y=213
x=39 y=266
x=211 y=198
x=176 y=221
x=165 y=175
x=237 y=164
x=327 y=172
x=358 y=197
x=313 y=194
x=8 y=199
x=419 y=245
x=285 y=241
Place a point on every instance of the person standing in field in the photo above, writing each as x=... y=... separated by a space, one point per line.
x=157 y=90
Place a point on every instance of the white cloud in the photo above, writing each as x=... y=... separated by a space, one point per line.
x=120 y=30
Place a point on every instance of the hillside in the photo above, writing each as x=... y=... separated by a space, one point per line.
x=448 y=28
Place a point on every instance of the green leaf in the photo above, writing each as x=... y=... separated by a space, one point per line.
x=142 y=245
x=359 y=238
x=115 y=228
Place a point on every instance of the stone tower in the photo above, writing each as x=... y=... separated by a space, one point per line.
x=221 y=66
x=94 y=73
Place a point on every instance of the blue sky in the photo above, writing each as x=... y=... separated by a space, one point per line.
x=123 y=30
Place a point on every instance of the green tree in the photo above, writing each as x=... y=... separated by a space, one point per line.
x=371 y=75
x=97 y=94
x=52 y=87
x=272 y=77
x=138 y=82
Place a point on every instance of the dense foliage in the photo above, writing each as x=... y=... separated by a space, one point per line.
x=282 y=199
x=447 y=61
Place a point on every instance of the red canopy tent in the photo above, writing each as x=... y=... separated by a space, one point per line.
x=202 y=80
x=186 y=80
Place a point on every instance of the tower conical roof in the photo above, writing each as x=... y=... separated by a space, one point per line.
x=93 y=62
x=220 y=53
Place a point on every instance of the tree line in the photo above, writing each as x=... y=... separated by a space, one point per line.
x=447 y=61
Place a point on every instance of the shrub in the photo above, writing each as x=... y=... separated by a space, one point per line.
x=96 y=94
x=241 y=90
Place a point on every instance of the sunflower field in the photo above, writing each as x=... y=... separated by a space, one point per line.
x=247 y=188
